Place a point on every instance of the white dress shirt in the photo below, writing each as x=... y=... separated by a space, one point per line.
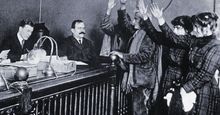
x=80 y=40
x=21 y=40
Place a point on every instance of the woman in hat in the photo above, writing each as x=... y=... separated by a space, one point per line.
x=175 y=66
x=200 y=84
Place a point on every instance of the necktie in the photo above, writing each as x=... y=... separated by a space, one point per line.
x=80 y=41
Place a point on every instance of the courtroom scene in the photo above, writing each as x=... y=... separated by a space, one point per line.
x=110 y=57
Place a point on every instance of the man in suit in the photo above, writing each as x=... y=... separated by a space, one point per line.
x=17 y=44
x=142 y=60
x=117 y=33
x=77 y=47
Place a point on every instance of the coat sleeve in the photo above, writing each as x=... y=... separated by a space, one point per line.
x=13 y=55
x=144 y=55
x=157 y=36
x=206 y=73
x=91 y=56
x=5 y=45
x=183 y=41
x=151 y=31
x=124 y=22
x=107 y=26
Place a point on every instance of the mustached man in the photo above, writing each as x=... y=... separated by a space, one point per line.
x=77 y=47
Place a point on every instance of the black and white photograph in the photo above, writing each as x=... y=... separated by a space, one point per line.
x=110 y=57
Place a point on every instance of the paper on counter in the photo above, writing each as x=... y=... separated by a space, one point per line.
x=19 y=64
x=63 y=60
x=5 y=61
x=80 y=63
x=4 y=54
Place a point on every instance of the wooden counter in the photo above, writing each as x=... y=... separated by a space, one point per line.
x=90 y=91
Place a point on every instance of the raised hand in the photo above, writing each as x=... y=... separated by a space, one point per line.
x=123 y=1
x=142 y=9
x=111 y=4
x=156 y=11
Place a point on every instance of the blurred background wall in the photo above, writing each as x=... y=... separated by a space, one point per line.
x=59 y=14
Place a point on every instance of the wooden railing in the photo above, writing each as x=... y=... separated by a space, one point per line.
x=93 y=91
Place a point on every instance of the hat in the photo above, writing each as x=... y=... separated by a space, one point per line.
x=206 y=18
x=184 y=21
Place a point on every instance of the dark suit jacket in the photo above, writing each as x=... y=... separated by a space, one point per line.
x=145 y=60
x=80 y=52
x=119 y=35
x=15 y=47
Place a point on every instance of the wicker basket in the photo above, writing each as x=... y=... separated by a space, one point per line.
x=59 y=66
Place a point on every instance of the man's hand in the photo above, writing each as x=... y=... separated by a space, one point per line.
x=24 y=56
x=111 y=4
x=157 y=13
x=126 y=84
x=4 y=54
x=3 y=57
x=119 y=54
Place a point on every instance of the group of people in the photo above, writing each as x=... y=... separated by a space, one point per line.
x=75 y=47
x=170 y=71
x=172 y=66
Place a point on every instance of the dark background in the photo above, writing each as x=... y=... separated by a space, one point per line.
x=59 y=14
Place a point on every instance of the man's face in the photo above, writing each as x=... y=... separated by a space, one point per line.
x=79 y=30
x=179 y=30
x=26 y=31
